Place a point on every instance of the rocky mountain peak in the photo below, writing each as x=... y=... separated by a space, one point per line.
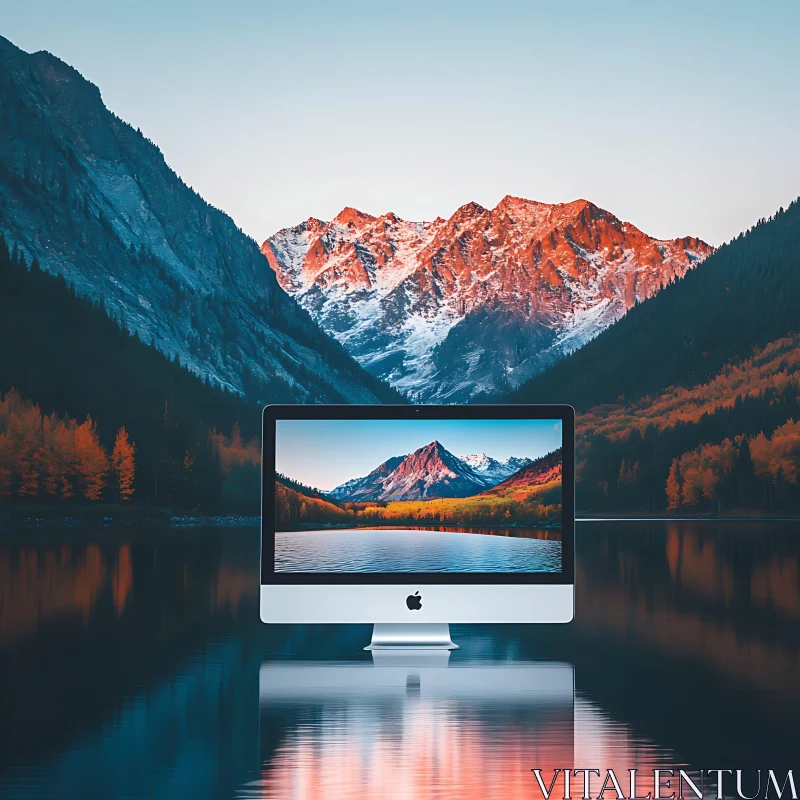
x=352 y=217
x=479 y=302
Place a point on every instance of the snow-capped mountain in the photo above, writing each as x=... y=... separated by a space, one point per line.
x=492 y=469
x=94 y=200
x=429 y=472
x=479 y=302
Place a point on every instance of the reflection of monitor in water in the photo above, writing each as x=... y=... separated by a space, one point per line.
x=358 y=730
x=427 y=514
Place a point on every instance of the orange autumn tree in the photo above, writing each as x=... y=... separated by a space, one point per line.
x=24 y=426
x=55 y=458
x=6 y=464
x=91 y=460
x=674 y=490
x=233 y=451
x=123 y=465
x=699 y=474
x=778 y=456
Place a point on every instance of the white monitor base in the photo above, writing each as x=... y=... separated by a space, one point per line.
x=411 y=636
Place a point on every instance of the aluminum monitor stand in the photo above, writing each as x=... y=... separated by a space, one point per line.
x=411 y=636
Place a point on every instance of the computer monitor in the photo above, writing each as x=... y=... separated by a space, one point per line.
x=413 y=517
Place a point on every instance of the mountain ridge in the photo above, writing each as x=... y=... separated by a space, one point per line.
x=539 y=472
x=746 y=295
x=428 y=472
x=95 y=201
x=476 y=303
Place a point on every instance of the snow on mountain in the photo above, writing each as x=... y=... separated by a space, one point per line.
x=479 y=302
x=96 y=202
x=431 y=471
x=494 y=470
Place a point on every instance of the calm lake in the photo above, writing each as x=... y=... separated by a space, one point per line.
x=418 y=550
x=132 y=664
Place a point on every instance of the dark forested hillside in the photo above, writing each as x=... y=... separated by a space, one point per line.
x=690 y=403
x=95 y=201
x=65 y=354
x=744 y=295
x=731 y=445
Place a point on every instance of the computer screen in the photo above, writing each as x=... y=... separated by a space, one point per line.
x=423 y=496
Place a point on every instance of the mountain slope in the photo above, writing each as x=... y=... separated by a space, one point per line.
x=746 y=295
x=541 y=472
x=370 y=486
x=293 y=508
x=69 y=357
x=430 y=471
x=95 y=201
x=478 y=302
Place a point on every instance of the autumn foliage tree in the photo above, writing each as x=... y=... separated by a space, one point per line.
x=91 y=460
x=778 y=456
x=123 y=466
x=700 y=474
x=674 y=488
x=57 y=458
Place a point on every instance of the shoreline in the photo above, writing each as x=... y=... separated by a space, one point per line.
x=322 y=526
x=619 y=518
x=106 y=517
x=114 y=517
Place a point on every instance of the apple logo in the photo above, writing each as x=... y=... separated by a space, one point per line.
x=414 y=602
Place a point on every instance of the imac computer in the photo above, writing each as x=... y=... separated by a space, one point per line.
x=413 y=517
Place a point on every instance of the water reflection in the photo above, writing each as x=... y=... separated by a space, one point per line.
x=553 y=534
x=726 y=596
x=472 y=730
x=48 y=582
x=90 y=619
x=58 y=582
x=194 y=735
x=413 y=550
x=130 y=667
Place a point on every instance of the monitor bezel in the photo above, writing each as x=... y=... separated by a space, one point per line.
x=274 y=413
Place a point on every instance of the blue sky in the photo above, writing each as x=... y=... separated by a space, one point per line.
x=680 y=117
x=326 y=453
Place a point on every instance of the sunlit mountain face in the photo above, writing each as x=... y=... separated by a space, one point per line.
x=479 y=302
x=430 y=471
x=433 y=471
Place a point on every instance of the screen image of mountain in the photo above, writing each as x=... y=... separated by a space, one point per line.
x=428 y=510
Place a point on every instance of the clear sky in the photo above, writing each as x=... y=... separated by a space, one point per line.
x=680 y=117
x=326 y=453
